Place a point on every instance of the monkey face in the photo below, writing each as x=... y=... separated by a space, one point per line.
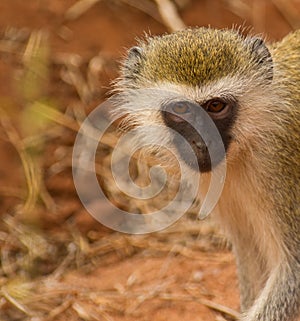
x=192 y=121
x=209 y=75
x=199 y=133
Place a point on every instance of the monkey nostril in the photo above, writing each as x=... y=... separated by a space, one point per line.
x=200 y=145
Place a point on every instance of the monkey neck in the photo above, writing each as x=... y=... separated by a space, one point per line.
x=245 y=212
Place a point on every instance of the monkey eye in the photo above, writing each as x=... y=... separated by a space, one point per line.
x=180 y=108
x=215 y=106
x=178 y=111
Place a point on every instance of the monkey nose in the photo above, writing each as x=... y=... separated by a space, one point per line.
x=201 y=146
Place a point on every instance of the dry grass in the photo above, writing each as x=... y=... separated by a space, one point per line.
x=34 y=260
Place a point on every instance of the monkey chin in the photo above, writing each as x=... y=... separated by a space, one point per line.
x=202 y=164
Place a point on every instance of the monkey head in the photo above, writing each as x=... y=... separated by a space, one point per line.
x=193 y=80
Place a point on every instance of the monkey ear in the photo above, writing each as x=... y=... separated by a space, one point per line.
x=135 y=52
x=261 y=54
x=133 y=61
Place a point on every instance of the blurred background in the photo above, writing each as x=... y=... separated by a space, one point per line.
x=57 y=61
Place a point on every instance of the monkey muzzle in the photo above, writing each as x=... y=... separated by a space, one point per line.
x=195 y=126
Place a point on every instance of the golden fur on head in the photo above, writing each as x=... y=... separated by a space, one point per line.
x=183 y=57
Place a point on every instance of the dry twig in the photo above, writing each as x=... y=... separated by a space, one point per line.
x=289 y=12
x=79 y=8
x=170 y=15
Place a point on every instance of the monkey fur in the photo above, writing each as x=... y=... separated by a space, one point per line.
x=259 y=86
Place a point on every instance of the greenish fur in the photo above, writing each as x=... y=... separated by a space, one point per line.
x=181 y=57
x=261 y=204
x=285 y=164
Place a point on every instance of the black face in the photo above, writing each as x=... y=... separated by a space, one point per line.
x=206 y=127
